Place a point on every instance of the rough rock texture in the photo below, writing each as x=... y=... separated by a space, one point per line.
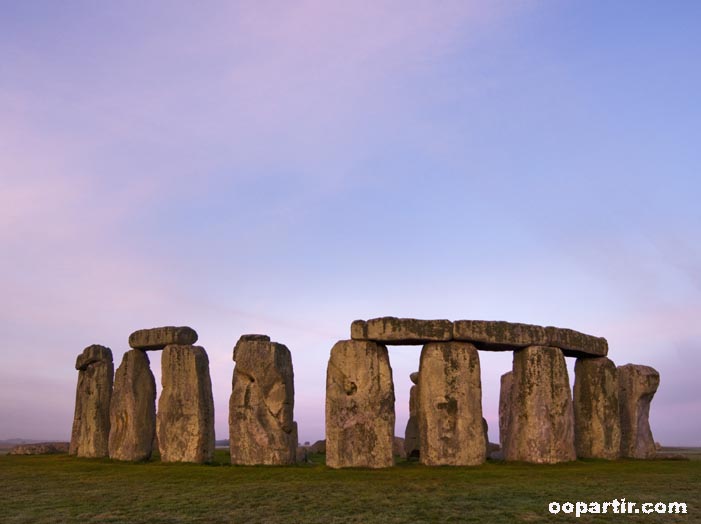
x=541 y=426
x=636 y=387
x=450 y=405
x=411 y=433
x=401 y=331
x=133 y=409
x=510 y=336
x=185 y=420
x=505 y=403
x=41 y=448
x=597 y=430
x=359 y=406
x=398 y=447
x=91 y=422
x=158 y=338
x=261 y=424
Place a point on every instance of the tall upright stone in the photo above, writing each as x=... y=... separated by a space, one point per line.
x=133 y=409
x=261 y=407
x=411 y=433
x=185 y=420
x=91 y=421
x=450 y=405
x=637 y=386
x=597 y=431
x=505 y=403
x=541 y=428
x=359 y=406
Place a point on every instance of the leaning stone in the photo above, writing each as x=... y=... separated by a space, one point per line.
x=450 y=405
x=597 y=431
x=158 y=338
x=510 y=336
x=505 y=403
x=261 y=423
x=133 y=409
x=185 y=419
x=359 y=406
x=401 y=331
x=91 y=421
x=637 y=386
x=411 y=433
x=541 y=428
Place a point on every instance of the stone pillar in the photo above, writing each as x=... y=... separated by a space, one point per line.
x=359 y=406
x=185 y=420
x=133 y=409
x=505 y=403
x=541 y=429
x=597 y=432
x=450 y=405
x=261 y=418
x=91 y=422
x=636 y=388
x=411 y=434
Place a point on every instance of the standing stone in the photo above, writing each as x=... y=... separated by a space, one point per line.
x=359 y=406
x=597 y=430
x=450 y=405
x=261 y=425
x=541 y=427
x=637 y=386
x=505 y=403
x=133 y=409
x=411 y=434
x=185 y=420
x=91 y=422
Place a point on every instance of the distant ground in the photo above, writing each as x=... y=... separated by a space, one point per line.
x=59 y=488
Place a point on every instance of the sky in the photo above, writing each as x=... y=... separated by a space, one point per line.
x=287 y=167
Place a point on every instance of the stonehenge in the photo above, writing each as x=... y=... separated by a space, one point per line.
x=596 y=411
x=133 y=409
x=261 y=425
x=541 y=420
x=185 y=418
x=91 y=421
x=451 y=432
x=636 y=387
x=359 y=406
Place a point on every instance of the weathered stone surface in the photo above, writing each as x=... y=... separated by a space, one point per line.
x=133 y=409
x=261 y=425
x=541 y=426
x=637 y=386
x=505 y=403
x=597 y=431
x=491 y=335
x=41 y=448
x=158 y=338
x=411 y=433
x=402 y=331
x=359 y=406
x=185 y=419
x=91 y=422
x=450 y=405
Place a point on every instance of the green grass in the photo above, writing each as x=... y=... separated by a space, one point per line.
x=59 y=488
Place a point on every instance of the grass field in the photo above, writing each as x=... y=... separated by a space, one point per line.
x=59 y=488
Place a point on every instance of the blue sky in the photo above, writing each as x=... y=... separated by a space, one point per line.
x=288 y=167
